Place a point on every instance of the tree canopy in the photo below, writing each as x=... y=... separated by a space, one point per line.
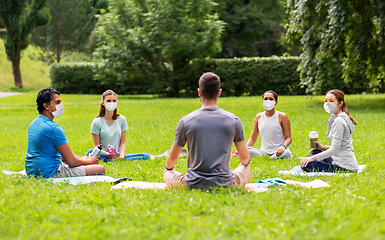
x=72 y=22
x=248 y=22
x=20 y=17
x=342 y=40
x=156 y=39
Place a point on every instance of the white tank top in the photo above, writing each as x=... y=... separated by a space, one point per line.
x=271 y=133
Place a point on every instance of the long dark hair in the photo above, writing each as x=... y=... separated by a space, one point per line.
x=341 y=97
x=102 y=110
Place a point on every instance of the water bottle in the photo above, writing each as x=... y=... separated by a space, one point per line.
x=97 y=151
x=111 y=149
x=313 y=136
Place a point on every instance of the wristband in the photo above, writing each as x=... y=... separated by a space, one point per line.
x=169 y=169
x=284 y=145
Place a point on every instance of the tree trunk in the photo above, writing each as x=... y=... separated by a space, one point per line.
x=229 y=49
x=16 y=72
x=58 y=51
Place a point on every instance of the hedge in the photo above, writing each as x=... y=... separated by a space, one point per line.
x=251 y=76
x=75 y=78
x=239 y=76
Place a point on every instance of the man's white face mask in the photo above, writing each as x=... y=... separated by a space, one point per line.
x=59 y=111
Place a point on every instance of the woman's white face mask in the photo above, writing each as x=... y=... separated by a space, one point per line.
x=330 y=107
x=268 y=105
x=59 y=111
x=111 y=106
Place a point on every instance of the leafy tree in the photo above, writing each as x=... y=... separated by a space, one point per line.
x=99 y=5
x=248 y=22
x=342 y=42
x=156 y=40
x=72 y=22
x=20 y=17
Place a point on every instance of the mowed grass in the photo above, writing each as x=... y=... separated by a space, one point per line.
x=352 y=208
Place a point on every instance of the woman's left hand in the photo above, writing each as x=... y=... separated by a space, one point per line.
x=111 y=155
x=304 y=162
x=280 y=150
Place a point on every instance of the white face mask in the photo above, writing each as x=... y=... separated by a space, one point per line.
x=59 y=111
x=268 y=105
x=330 y=107
x=111 y=106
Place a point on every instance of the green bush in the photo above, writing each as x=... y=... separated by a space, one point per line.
x=240 y=76
x=250 y=76
x=77 y=78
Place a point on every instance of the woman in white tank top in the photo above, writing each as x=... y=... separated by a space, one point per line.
x=274 y=128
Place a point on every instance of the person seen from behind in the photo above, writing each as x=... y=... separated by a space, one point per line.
x=209 y=133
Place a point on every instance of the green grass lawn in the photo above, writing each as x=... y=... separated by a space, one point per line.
x=352 y=208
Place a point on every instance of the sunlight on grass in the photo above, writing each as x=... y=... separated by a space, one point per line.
x=352 y=208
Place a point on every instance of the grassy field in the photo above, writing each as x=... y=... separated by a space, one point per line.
x=352 y=208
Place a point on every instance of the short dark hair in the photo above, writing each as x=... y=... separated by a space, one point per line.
x=209 y=84
x=45 y=96
x=272 y=92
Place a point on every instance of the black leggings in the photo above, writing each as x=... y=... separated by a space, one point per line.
x=322 y=166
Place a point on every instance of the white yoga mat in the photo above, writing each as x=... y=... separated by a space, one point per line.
x=75 y=180
x=297 y=171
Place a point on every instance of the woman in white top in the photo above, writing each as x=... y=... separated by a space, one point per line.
x=109 y=128
x=274 y=128
x=339 y=156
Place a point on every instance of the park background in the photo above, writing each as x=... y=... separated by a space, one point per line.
x=152 y=53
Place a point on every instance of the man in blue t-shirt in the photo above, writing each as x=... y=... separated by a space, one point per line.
x=48 y=153
x=209 y=133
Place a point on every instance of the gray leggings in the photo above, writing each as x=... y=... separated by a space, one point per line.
x=254 y=152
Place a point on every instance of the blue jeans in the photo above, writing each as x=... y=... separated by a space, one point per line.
x=134 y=156
x=322 y=166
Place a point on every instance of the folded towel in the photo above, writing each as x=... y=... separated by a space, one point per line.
x=270 y=182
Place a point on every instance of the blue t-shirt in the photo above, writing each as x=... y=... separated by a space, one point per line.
x=42 y=158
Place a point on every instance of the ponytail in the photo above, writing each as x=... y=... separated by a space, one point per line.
x=341 y=97
x=346 y=110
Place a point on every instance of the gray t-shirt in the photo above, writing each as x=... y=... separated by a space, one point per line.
x=210 y=134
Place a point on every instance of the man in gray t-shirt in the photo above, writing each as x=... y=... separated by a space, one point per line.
x=209 y=133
